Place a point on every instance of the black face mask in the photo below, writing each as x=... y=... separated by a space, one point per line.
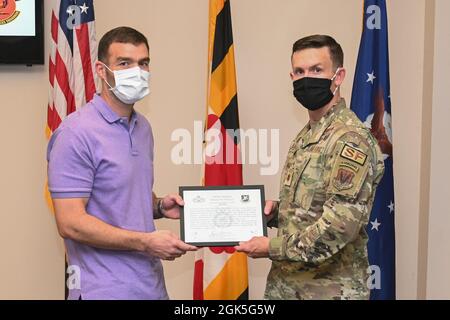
x=314 y=93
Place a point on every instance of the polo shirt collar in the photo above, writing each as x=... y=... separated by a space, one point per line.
x=107 y=113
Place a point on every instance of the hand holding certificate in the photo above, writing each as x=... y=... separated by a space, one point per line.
x=222 y=216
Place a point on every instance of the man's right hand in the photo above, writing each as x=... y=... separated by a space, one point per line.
x=165 y=245
x=270 y=209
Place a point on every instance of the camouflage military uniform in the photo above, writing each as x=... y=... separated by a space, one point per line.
x=327 y=189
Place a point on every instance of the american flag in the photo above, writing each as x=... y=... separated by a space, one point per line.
x=371 y=101
x=72 y=56
x=71 y=65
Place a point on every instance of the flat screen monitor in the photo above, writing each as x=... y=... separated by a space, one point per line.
x=22 y=32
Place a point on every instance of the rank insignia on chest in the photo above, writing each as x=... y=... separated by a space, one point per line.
x=288 y=179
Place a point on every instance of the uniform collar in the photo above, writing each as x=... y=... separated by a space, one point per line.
x=314 y=133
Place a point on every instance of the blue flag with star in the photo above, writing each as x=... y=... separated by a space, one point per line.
x=371 y=101
x=69 y=18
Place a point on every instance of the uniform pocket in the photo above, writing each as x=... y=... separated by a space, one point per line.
x=297 y=176
x=307 y=182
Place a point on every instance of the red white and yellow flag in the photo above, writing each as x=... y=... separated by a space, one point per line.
x=221 y=273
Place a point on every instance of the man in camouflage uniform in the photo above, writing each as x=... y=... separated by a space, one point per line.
x=327 y=189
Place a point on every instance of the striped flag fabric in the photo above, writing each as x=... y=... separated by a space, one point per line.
x=220 y=273
x=72 y=76
x=371 y=101
x=72 y=56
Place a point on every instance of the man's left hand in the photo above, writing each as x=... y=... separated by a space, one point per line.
x=171 y=206
x=256 y=247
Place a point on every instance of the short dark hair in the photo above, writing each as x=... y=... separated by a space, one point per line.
x=320 y=41
x=121 y=35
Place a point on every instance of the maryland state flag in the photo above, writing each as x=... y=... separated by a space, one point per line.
x=221 y=273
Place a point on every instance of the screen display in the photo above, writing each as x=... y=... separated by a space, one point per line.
x=22 y=32
x=17 y=18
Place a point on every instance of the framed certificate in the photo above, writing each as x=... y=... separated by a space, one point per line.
x=222 y=216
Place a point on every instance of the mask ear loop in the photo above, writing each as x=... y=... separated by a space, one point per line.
x=334 y=77
x=110 y=87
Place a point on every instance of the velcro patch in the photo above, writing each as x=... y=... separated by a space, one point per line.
x=344 y=179
x=354 y=155
x=288 y=179
x=349 y=171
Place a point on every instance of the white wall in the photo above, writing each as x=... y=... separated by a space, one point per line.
x=438 y=276
x=406 y=42
x=32 y=257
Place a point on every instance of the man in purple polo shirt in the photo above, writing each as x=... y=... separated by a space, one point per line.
x=100 y=174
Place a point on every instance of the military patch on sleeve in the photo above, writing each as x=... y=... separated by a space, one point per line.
x=349 y=172
x=354 y=155
x=344 y=179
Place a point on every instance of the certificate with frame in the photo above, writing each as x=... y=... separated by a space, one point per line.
x=222 y=216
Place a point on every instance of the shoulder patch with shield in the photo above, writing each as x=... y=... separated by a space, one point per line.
x=349 y=171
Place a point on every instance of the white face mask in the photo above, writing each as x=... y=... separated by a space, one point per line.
x=131 y=84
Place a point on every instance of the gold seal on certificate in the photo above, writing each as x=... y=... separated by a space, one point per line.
x=222 y=216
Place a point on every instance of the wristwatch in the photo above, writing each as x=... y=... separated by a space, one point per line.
x=159 y=208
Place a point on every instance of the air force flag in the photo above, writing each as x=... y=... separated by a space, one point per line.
x=371 y=101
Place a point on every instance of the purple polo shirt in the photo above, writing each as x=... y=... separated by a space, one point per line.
x=98 y=155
